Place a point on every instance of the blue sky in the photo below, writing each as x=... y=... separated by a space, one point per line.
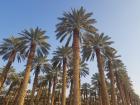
x=119 y=19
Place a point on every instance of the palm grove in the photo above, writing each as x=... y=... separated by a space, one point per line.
x=61 y=74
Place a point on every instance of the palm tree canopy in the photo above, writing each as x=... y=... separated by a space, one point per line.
x=84 y=70
x=93 y=41
x=35 y=36
x=40 y=62
x=9 y=47
x=76 y=19
x=60 y=54
x=95 y=79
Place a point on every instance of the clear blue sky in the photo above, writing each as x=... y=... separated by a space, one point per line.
x=119 y=19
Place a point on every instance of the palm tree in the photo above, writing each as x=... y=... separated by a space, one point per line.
x=85 y=90
x=111 y=57
x=54 y=73
x=97 y=44
x=96 y=85
x=14 y=79
x=61 y=57
x=35 y=42
x=71 y=25
x=9 y=49
x=39 y=64
x=84 y=71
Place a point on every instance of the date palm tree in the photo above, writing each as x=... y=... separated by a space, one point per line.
x=96 y=44
x=96 y=85
x=36 y=43
x=85 y=90
x=84 y=71
x=14 y=79
x=70 y=25
x=111 y=57
x=9 y=50
x=39 y=64
x=61 y=57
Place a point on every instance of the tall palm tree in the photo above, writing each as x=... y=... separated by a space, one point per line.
x=71 y=25
x=111 y=57
x=9 y=50
x=36 y=43
x=84 y=71
x=61 y=57
x=96 y=45
x=39 y=64
x=54 y=73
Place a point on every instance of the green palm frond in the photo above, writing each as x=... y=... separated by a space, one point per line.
x=9 y=47
x=36 y=36
x=93 y=41
x=75 y=19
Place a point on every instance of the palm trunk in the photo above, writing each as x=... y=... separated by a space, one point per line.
x=27 y=75
x=7 y=98
x=64 y=81
x=38 y=95
x=6 y=69
x=45 y=97
x=120 y=89
x=99 y=93
x=76 y=68
x=126 y=94
x=105 y=98
x=35 y=84
x=17 y=95
x=113 y=94
x=49 y=90
x=53 y=91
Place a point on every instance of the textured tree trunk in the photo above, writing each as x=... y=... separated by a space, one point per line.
x=27 y=75
x=37 y=71
x=126 y=94
x=17 y=95
x=113 y=94
x=53 y=91
x=120 y=89
x=76 y=68
x=7 y=97
x=6 y=69
x=46 y=96
x=64 y=81
x=105 y=97
x=49 y=90
x=100 y=95
x=38 y=95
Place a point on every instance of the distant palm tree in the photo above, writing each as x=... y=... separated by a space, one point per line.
x=111 y=57
x=36 y=43
x=84 y=71
x=85 y=88
x=39 y=64
x=61 y=57
x=97 y=44
x=96 y=86
x=9 y=49
x=14 y=79
x=54 y=73
x=71 y=25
